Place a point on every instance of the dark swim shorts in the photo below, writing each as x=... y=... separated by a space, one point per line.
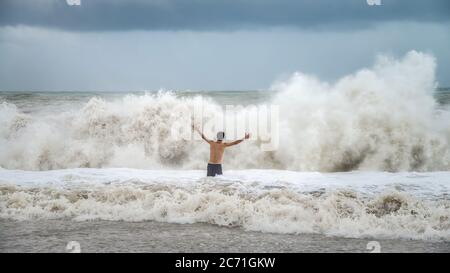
x=214 y=169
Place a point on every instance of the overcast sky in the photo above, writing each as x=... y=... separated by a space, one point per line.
x=208 y=44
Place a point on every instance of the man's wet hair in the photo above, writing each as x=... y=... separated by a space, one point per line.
x=220 y=136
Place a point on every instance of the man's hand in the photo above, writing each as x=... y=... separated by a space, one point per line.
x=195 y=128
x=247 y=136
x=201 y=133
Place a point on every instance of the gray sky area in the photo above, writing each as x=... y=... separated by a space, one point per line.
x=123 y=45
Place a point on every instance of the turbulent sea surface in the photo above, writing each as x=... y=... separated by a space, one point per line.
x=365 y=158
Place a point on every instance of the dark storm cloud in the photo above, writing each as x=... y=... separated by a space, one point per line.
x=112 y=15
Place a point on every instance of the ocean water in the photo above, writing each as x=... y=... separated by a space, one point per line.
x=365 y=158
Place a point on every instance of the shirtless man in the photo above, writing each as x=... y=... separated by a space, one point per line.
x=216 y=149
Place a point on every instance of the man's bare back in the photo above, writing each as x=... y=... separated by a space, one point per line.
x=217 y=149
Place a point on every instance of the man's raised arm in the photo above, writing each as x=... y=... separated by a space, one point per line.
x=247 y=136
x=201 y=133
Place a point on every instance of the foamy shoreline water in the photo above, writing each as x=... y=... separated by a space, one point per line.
x=354 y=205
x=151 y=236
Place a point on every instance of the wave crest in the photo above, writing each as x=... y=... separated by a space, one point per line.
x=383 y=118
x=333 y=212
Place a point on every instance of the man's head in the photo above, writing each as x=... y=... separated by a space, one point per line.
x=220 y=136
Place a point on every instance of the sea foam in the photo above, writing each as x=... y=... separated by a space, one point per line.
x=351 y=204
x=382 y=118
